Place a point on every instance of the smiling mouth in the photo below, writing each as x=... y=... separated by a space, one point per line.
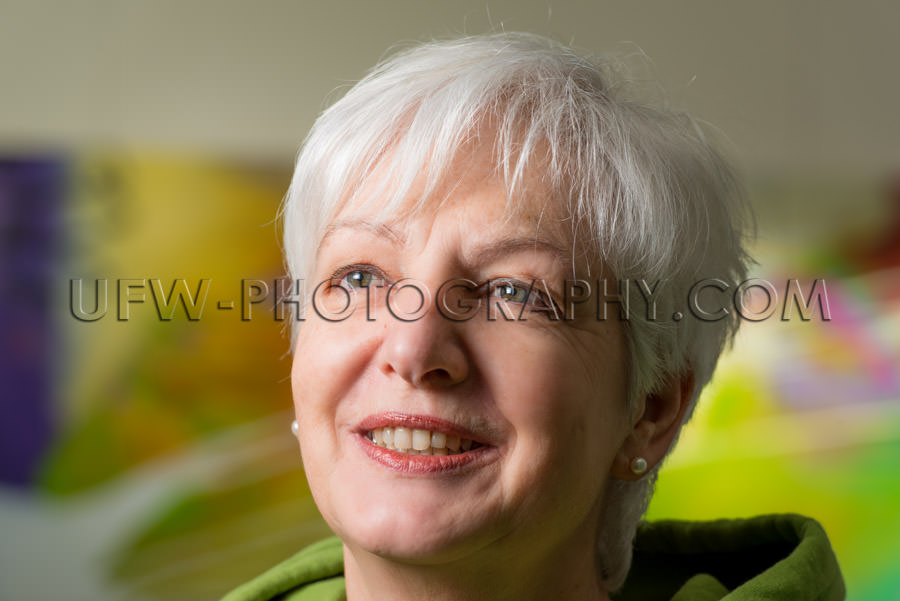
x=415 y=441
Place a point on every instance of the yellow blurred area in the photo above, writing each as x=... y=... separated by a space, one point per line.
x=136 y=385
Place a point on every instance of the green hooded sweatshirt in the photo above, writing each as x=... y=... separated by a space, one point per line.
x=767 y=558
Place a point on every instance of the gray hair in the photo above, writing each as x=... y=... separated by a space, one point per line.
x=658 y=201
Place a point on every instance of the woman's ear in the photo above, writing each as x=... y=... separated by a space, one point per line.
x=657 y=421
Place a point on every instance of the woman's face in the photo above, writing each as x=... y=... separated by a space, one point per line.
x=539 y=403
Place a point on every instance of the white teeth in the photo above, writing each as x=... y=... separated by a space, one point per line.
x=420 y=442
x=402 y=438
x=421 y=439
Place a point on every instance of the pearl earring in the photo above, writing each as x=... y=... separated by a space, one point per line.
x=638 y=465
x=295 y=427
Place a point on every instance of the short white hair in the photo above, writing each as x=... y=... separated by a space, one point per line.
x=658 y=201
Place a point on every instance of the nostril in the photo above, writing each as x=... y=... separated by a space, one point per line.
x=439 y=374
x=439 y=378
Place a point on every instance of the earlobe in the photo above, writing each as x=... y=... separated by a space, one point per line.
x=638 y=466
x=654 y=429
x=634 y=448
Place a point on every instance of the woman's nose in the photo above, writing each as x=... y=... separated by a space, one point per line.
x=427 y=352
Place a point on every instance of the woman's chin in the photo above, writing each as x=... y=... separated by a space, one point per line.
x=406 y=517
x=413 y=534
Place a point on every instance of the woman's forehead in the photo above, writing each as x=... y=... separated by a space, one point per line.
x=484 y=224
x=473 y=174
x=494 y=200
x=485 y=206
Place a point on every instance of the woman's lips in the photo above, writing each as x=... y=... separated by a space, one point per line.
x=420 y=444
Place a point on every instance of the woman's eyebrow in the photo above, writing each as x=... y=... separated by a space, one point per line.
x=377 y=228
x=504 y=247
x=480 y=255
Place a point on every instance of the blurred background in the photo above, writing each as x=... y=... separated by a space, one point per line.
x=146 y=455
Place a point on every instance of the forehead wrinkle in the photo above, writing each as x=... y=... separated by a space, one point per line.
x=379 y=229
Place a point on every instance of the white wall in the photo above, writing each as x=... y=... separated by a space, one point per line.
x=797 y=86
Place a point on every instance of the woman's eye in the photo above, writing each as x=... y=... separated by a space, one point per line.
x=359 y=278
x=512 y=293
x=516 y=292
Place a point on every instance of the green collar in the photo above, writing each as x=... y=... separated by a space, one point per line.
x=768 y=558
x=764 y=558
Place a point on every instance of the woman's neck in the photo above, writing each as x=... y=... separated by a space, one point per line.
x=569 y=574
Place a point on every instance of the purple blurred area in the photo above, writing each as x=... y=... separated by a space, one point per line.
x=31 y=230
